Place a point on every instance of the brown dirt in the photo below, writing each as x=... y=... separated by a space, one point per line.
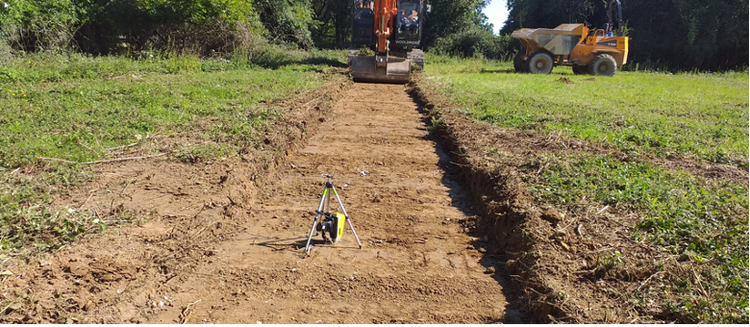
x=224 y=239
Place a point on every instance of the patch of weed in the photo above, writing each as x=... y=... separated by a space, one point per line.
x=27 y=224
x=703 y=220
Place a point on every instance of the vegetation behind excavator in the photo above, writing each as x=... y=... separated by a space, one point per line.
x=386 y=35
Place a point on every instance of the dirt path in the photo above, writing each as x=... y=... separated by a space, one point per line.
x=417 y=266
x=211 y=254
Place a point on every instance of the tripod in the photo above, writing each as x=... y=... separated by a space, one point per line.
x=333 y=223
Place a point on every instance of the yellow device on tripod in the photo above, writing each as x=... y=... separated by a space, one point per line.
x=333 y=223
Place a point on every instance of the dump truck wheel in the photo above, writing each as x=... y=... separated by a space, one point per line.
x=519 y=64
x=603 y=65
x=540 y=62
x=579 y=70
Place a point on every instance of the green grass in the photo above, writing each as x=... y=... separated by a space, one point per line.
x=707 y=220
x=77 y=108
x=28 y=225
x=704 y=116
x=662 y=114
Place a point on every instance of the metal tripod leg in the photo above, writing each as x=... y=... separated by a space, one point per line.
x=341 y=204
x=317 y=214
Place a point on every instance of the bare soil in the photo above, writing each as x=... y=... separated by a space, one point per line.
x=224 y=241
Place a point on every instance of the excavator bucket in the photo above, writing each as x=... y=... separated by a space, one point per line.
x=398 y=70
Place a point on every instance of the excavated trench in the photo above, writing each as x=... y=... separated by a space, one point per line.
x=225 y=241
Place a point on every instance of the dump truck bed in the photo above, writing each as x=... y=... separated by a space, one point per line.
x=559 y=41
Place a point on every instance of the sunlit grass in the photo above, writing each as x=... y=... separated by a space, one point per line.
x=662 y=114
x=66 y=110
x=644 y=114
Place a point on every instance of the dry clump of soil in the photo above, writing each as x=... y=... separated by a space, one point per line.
x=575 y=264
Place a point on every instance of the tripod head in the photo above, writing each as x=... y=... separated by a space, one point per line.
x=328 y=183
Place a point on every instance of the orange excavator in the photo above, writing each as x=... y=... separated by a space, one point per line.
x=392 y=30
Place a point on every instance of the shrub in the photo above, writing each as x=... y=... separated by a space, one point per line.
x=104 y=26
x=170 y=25
x=33 y=25
x=475 y=42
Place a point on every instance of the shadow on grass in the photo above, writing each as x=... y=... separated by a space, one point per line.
x=499 y=71
x=276 y=63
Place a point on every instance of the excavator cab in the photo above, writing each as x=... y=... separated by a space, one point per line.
x=409 y=24
x=392 y=29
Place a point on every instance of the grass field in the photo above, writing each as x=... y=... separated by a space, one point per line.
x=80 y=109
x=696 y=115
x=646 y=115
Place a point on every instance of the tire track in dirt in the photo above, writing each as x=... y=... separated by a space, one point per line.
x=418 y=264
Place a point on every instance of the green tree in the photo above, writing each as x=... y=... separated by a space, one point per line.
x=451 y=17
x=105 y=26
x=333 y=22
x=287 y=21
x=33 y=25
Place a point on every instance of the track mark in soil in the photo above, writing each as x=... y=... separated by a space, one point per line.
x=418 y=264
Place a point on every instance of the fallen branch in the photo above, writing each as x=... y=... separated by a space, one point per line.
x=305 y=105
x=698 y=281
x=100 y=161
x=134 y=144
x=185 y=315
x=87 y=199
x=84 y=145
x=112 y=154
x=121 y=147
x=648 y=279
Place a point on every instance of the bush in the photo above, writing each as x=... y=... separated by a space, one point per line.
x=287 y=21
x=104 y=26
x=475 y=42
x=171 y=25
x=33 y=25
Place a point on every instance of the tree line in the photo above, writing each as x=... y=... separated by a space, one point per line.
x=209 y=26
x=672 y=34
